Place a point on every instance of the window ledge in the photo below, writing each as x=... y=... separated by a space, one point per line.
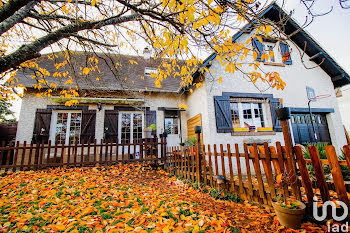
x=274 y=64
x=252 y=133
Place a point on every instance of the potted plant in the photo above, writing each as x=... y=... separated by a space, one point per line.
x=149 y=130
x=191 y=141
x=289 y=211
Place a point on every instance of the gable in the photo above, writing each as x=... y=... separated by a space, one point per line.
x=302 y=39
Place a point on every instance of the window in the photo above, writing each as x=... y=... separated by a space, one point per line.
x=131 y=127
x=149 y=71
x=245 y=114
x=171 y=125
x=235 y=115
x=270 y=47
x=67 y=127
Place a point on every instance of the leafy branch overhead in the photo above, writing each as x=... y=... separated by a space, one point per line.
x=175 y=30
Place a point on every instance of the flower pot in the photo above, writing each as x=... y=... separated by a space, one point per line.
x=252 y=128
x=289 y=217
x=148 y=133
x=283 y=113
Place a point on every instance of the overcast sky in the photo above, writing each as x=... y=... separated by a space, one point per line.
x=331 y=31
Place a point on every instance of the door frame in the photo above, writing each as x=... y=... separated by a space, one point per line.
x=131 y=125
x=316 y=111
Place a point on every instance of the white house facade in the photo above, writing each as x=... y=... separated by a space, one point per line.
x=233 y=111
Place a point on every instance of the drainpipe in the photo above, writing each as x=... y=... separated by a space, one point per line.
x=312 y=122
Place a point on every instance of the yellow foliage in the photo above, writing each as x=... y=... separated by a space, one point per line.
x=182 y=106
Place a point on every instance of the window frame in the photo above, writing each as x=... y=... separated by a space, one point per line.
x=178 y=124
x=149 y=70
x=131 y=126
x=54 y=124
x=277 y=57
x=241 y=114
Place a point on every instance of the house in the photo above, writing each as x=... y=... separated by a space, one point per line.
x=111 y=108
x=343 y=95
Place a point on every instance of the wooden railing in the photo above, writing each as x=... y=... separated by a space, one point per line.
x=37 y=156
x=251 y=172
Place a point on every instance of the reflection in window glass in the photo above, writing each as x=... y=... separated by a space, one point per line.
x=269 y=48
x=75 y=125
x=125 y=127
x=61 y=128
x=258 y=115
x=131 y=127
x=235 y=114
x=171 y=125
x=137 y=127
x=68 y=127
x=247 y=114
x=251 y=114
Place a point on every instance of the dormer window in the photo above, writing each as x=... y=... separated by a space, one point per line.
x=281 y=50
x=270 y=47
x=149 y=71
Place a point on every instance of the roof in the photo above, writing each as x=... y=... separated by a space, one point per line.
x=129 y=74
x=274 y=13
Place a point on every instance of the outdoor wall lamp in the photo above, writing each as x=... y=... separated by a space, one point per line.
x=99 y=106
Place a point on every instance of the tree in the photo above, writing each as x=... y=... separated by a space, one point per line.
x=5 y=111
x=175 y=29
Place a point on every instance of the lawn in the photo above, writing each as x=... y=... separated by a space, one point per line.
x=121 y=198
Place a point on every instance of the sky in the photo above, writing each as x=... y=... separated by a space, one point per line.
x=331 y=31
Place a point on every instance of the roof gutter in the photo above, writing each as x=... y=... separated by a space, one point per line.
x=83 y=100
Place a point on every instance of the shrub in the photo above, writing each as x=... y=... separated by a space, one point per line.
x=321 y=148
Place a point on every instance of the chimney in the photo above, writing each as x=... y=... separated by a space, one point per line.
x=146 y=53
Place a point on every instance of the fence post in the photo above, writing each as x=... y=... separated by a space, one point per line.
x=164 y=149
x=304 y=174
x=337 y=175
x=319 y=173
x=291 y=170
x=198 y=130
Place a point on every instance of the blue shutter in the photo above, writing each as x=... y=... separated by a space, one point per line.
x=223 y=114
x=275 y=103
x=285 y=52
x=258 y=47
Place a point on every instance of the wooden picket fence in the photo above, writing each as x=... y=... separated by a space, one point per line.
x=251 y=173
x=38 y=156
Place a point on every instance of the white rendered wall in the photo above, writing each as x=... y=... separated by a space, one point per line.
x=31 y=102
x=296 y=77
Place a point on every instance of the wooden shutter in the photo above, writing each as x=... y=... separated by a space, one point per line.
x=275 y=103
x=42 y=125
x=191 y=123
x=151 y=118
x=285 y=53
x=111 y=125
x=258 y=47
x=88 y=124
x=223 y=114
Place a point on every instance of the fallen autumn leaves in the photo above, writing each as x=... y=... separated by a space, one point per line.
x=122 y=198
